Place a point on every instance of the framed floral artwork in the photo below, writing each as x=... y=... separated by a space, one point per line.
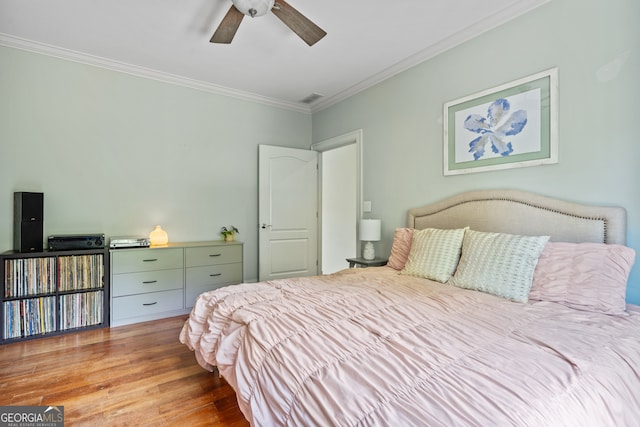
x=508 y=126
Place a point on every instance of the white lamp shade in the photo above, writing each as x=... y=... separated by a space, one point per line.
x=370 y=230
x=158 y=236
x=259 y=7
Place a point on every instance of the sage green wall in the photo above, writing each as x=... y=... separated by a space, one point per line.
x=599 y=149
x=118 y=154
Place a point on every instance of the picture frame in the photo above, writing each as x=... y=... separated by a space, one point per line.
x=508 y=126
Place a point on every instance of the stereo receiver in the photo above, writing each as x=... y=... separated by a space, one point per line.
x=76 y=241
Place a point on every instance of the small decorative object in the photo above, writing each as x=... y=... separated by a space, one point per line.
x=229 y=233
x=158 y=237
x=369 y=232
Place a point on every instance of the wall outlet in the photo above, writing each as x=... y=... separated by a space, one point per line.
x=366 y=206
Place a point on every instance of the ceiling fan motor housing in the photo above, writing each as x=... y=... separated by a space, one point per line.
x=253 y=8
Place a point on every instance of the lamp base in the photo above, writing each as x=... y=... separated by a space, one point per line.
x=369 y=252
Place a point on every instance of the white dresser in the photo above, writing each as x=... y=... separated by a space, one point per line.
x=157 y=282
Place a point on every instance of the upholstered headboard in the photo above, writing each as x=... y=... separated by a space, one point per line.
x=521 y=212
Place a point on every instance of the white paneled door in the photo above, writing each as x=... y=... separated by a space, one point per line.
x=288 y=212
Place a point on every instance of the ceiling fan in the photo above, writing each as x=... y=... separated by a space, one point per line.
x=303 y=27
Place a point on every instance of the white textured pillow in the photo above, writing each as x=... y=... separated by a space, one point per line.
x=434 y=253
x=498 y=263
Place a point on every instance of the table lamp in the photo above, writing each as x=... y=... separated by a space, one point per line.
x=158 y=237
x=369 y=232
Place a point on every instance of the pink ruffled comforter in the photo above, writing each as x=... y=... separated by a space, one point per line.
x=368 y=347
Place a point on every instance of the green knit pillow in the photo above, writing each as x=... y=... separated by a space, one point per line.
x=499 y=264
x=434 y=253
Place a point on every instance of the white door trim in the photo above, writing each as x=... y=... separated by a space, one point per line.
x=353 y=137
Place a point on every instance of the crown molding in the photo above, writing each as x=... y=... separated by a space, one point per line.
x=448 y=43
x=108 y=64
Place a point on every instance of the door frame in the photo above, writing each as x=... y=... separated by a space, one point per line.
x=353 y=137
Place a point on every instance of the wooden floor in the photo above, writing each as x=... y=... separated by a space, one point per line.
x=137 y=375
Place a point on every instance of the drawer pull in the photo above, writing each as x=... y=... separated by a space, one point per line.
x=215 y=274
x=150 y=303
x=150 y=260
x=149 y=281
x=212 y=255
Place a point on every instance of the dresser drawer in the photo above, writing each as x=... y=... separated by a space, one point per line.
x=203 y=279
x=131 y=261
x=146 y=304
x=211 y=255
x=146 y=281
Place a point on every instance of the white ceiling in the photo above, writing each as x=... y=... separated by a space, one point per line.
x=367 y=41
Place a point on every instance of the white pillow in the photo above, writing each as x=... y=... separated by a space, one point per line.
x=434 y=253
x=498 y=263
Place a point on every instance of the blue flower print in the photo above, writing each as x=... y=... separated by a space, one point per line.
x=495 y=128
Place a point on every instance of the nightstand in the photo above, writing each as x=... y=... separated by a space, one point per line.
x=361 y=262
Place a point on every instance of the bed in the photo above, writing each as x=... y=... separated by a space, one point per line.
x=497 y=308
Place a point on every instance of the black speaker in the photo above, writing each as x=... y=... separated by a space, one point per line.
x=28 y=218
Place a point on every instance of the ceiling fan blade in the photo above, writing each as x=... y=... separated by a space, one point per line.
x=228 y=27
x=299 y=24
